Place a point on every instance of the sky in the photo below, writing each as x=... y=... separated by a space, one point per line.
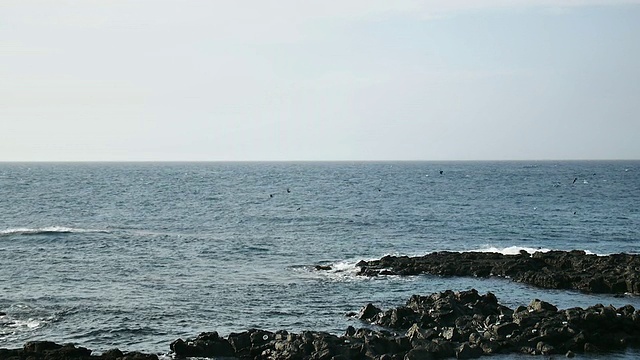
x=319 y=80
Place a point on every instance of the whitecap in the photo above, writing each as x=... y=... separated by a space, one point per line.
x=28 y=324
x=48 y=230
x=344 y=270
x=515 y=250
x=511 y=250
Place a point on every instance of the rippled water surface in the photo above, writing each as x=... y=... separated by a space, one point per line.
x=136 y=255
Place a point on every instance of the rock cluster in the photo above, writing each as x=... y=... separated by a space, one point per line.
x=479 y=325
x=47 y=350
x=449 y=324
x=463 y=325
x=614 y=274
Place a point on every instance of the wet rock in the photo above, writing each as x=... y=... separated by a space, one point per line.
x=441 y=348
x=544 y=348
x=505 y=330
x=539 y=305
x=377 y=345
x=11 y=354
x=401 y=317
x=70 y=351
x=241 y=342
x=488 y=327
x=135 y=355
x=38 y=347
x=180 y=348
x=591 y=348
x=491 y=347
x=419 y=354
x=451 y=333
x=369 y=311
x=577 y=270
x=208 y=344
x=417 y=333
x=112 y=354
x=351 y=331
x=442 y=325
x=47 y=350
x=466 y=351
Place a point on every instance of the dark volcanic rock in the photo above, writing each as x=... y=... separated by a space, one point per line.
x=477 y=324
x=135 y=355
x=368 y=312
x=448 y=324
x=208 y=344
x=616 y=274
x=323 y=267
x=36 y=347
x=47 y=350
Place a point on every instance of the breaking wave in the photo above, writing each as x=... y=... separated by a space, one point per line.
x=17 y=325
x=48 y=230
x=347 y=269
x=515 y=250
x=511 y=250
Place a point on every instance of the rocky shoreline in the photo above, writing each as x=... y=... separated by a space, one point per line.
x=576 y=270
x=448 y=324
x=461 y=325
x=48 y=350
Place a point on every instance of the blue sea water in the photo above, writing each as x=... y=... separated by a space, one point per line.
x=136 y=255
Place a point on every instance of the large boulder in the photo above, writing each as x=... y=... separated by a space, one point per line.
x=208 y=344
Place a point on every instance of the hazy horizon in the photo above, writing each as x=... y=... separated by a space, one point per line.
x=309 y=161
x=366 y=80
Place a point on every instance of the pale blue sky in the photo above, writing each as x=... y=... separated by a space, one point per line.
x=117 y=80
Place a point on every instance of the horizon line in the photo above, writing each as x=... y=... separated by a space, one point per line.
x=309 y=161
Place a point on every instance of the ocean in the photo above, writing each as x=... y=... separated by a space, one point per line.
x=136 y=255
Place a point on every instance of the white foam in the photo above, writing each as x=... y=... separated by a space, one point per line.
x=343 y=266
x=345 y=270
x=47 y=229
x=515 y=250
x=511 y=250
x=29 y=324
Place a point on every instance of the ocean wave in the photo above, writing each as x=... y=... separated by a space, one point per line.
x=511 y=250
x=339 y=271
x=28 y=324
x=515 y=250
x=12 y=328
x=48 y=230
